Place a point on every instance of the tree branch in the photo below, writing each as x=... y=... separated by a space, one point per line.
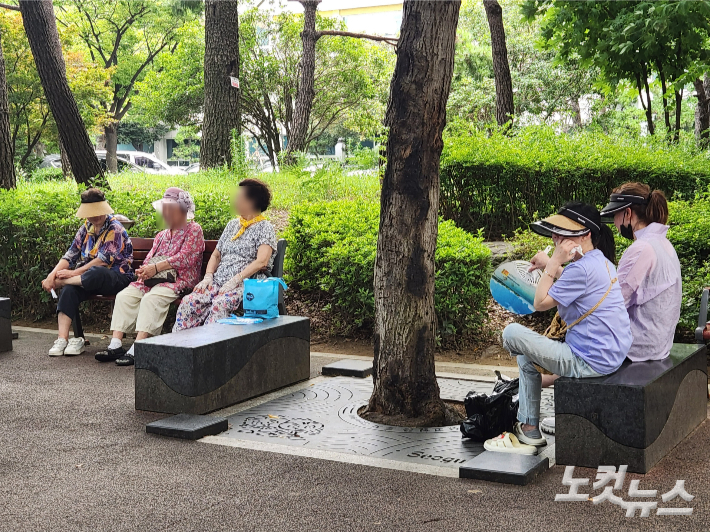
x=8 y=6
x=389 y=40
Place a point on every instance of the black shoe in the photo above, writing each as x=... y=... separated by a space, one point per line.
x=125 y=361
x=110 y=354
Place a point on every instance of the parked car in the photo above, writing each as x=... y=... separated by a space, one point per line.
x=149 y=162
x=54 y=160
x=194 y=167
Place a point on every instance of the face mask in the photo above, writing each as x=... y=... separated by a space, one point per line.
x=626 y=230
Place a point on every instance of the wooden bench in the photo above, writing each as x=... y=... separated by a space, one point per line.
x=141 y=247
x=636 y=415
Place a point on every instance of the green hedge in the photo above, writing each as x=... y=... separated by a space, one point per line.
x=501 y=183
x=331 y=257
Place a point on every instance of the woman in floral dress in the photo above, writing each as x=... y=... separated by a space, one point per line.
x=171 y=268
x=247 y=247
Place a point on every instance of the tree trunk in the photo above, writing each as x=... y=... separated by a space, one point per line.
x=41 y=29
x=678 y=109
x=405 y=322
x=649 y=110
x=666 y=110
x=111 y=140
x=222 y=114
x=501 y=69
x=7 y=148
x=297 y=141
x=702 y=111
x=64 y=158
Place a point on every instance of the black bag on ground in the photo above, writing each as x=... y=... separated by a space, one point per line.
x=490 y=415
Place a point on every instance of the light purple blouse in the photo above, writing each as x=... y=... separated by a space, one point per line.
x=650 y=281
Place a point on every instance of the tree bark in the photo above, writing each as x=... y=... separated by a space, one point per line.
x=501 y=69
x=297 y=141
x=405 y=322
x=111 y=141
x=666 y=110
x=64 y=158
x=41 y=29
x=702 y=111
x=7 y=148
x=678 y=109
x=221 y=113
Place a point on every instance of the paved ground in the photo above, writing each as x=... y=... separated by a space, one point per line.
x=74 y=456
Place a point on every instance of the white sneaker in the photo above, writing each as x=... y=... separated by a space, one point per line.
x=75 y=347
x=57 y=350
x=548 y=425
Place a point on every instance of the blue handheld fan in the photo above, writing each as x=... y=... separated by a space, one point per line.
x=513 y=286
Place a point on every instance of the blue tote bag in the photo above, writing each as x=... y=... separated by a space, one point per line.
x=261 y=297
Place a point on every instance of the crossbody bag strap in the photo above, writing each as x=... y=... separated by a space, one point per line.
x=595 y=307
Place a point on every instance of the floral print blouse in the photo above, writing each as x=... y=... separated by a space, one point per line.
x=110 y=243
x=184 y=249
x=237 y=254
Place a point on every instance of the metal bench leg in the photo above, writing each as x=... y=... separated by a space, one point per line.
x=78 y=329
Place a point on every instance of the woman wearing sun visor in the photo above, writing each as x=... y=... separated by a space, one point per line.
x=589 y=301
x=649 y=270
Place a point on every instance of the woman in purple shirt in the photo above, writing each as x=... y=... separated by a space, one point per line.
x=589 y=301
x=649 y=270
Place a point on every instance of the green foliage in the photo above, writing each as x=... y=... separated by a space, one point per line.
x=501 y=183
x=631 y=41
x=46 y=174
x=332 y=247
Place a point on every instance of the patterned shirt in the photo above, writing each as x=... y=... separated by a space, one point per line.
x=238 y=254
x=110 y=243
x=184 y=249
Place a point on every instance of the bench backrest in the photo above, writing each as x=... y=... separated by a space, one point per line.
x=141 y=247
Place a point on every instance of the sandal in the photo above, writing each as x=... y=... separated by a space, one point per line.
x=110 y=354
x=127 y=360
x=508 y=443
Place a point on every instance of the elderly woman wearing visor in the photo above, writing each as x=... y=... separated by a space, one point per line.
x=171 y=267
x=97 y=263
x=589 y=300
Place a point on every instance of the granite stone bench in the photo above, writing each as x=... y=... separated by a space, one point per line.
x=211 y=367
x=634 y=416
x=5 y=325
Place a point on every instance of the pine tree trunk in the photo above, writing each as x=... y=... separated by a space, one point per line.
x=501 y=70
x=222 y=113
x=41 y=29
x=7 y=149
x=702 y=111
x=64 y=158
x=298 y=141
x=111 y=140
x=405 y=323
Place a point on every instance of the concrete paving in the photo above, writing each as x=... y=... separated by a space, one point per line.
x=74 y=455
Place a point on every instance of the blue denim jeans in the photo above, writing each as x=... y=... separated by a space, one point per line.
x=531 y=348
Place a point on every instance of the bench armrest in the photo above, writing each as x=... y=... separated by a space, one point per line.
x=702 y=316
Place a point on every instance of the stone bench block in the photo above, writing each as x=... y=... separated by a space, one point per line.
x=5 y=325
x=634 y=416
x=348 y=368
x=211 y=367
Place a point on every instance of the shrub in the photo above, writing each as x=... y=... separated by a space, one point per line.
x=332 y=247
x=501 y=183
x=46 y=174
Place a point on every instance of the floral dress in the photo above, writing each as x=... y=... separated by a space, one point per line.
x=184 y=250
x=236 y=254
